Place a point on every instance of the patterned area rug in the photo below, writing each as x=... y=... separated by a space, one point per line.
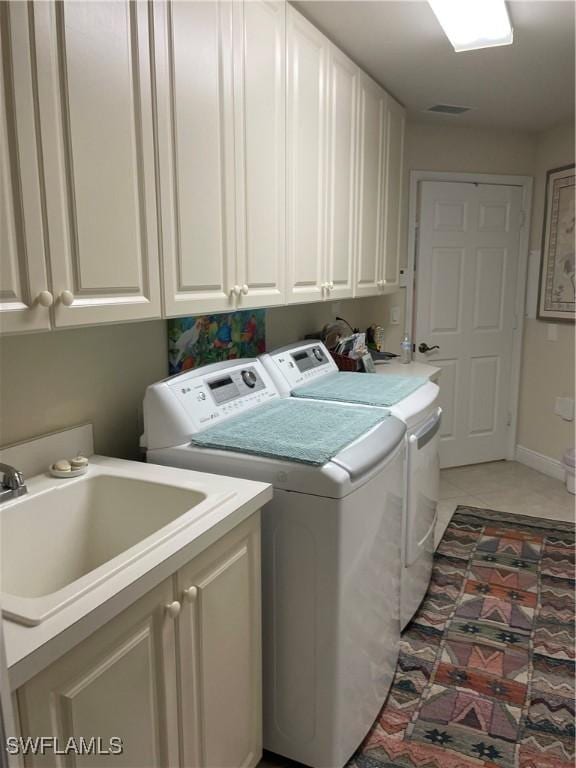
x=486 y=669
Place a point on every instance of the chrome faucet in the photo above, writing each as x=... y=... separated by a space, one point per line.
x=12 y=484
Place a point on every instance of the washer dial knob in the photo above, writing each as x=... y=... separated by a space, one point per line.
x=249 y=378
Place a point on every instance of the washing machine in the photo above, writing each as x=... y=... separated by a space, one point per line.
x=330 y=542
x=307 y=370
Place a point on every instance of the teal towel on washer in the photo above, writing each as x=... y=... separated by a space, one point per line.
x=307 y=432
x=362 y=388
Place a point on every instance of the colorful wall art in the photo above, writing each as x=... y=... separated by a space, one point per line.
x=204 y=339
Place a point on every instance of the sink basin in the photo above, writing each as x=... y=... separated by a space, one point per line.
x=55 y=538
x=60 y=542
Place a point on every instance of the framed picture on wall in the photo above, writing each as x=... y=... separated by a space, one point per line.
x=557 y=278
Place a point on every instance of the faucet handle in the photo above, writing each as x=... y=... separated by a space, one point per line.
x=14 y=480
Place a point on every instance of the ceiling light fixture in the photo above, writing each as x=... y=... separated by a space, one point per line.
x=473 y=24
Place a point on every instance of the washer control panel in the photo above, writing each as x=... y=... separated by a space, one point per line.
x=300 y=364
x=211 y=396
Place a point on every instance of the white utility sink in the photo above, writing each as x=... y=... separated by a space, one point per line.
x=65 y=537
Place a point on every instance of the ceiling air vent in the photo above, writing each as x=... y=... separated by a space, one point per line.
x=448 y=109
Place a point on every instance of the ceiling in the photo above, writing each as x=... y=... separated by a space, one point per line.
x=525 y=86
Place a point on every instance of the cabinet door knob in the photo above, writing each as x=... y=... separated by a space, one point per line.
x=172 y=609
x=45 y=299
x=191 y=594
x=237 y=290
x=330 y=286
x=67 y=298
x=380 y=283
x=244 y=289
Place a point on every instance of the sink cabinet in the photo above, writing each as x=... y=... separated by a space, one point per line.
x=177 y=676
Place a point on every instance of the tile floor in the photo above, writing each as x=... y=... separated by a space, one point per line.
x=503 y=485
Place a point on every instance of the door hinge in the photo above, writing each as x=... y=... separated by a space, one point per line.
x=509 y=420
x=515 y=322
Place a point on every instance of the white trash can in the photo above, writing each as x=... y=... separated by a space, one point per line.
x=570 y=466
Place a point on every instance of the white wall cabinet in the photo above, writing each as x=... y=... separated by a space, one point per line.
x=244 y=157
x=163 y=673
x=220 y=73
x=341 y=176
x=260 y=143
x=380 y=173
x=393 y=193
x=307 y=63
x=95 y=108
x=24 y=285
x=371 y=170
x=322 y=156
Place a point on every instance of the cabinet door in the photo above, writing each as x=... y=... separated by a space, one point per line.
x=22 y=254
x=395 y=120
x=94 y=85
x=341 y=174
x=372 y=150
x=220 y=653
x=194 y=84
x=260 y=127
x=120 y=682
x=306 y=140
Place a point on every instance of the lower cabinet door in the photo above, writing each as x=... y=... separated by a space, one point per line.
x=220 y=653
x=118 y=683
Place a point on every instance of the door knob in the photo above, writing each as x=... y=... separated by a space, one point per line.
x=67 y=298
x=423 y=347
x=236 y=291
x=244 y=289
x=45 y=299
x=172 y=609
x=190 y=594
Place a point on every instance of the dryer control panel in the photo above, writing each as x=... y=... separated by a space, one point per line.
x=178 y=407
x=298 y=364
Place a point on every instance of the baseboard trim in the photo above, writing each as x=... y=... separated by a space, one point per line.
x=538 y=461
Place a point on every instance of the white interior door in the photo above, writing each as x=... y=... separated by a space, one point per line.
x=467 y=266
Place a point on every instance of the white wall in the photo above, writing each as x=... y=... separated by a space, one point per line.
x=53 y=380
x=463 y=149
x=50 y=381
x=547 y=366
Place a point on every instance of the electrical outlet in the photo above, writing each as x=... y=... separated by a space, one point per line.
x=564 y=407
x=336 y=309
x=394 y=315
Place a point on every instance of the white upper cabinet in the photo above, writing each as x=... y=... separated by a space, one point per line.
x=371 y=170
x=307 y=62
x=193 y=42
x=260 y=142
x=393 y=195
x=24 y=287
x=220 y=74
x=341 y=174
x=182 y=157
x=94 y=88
